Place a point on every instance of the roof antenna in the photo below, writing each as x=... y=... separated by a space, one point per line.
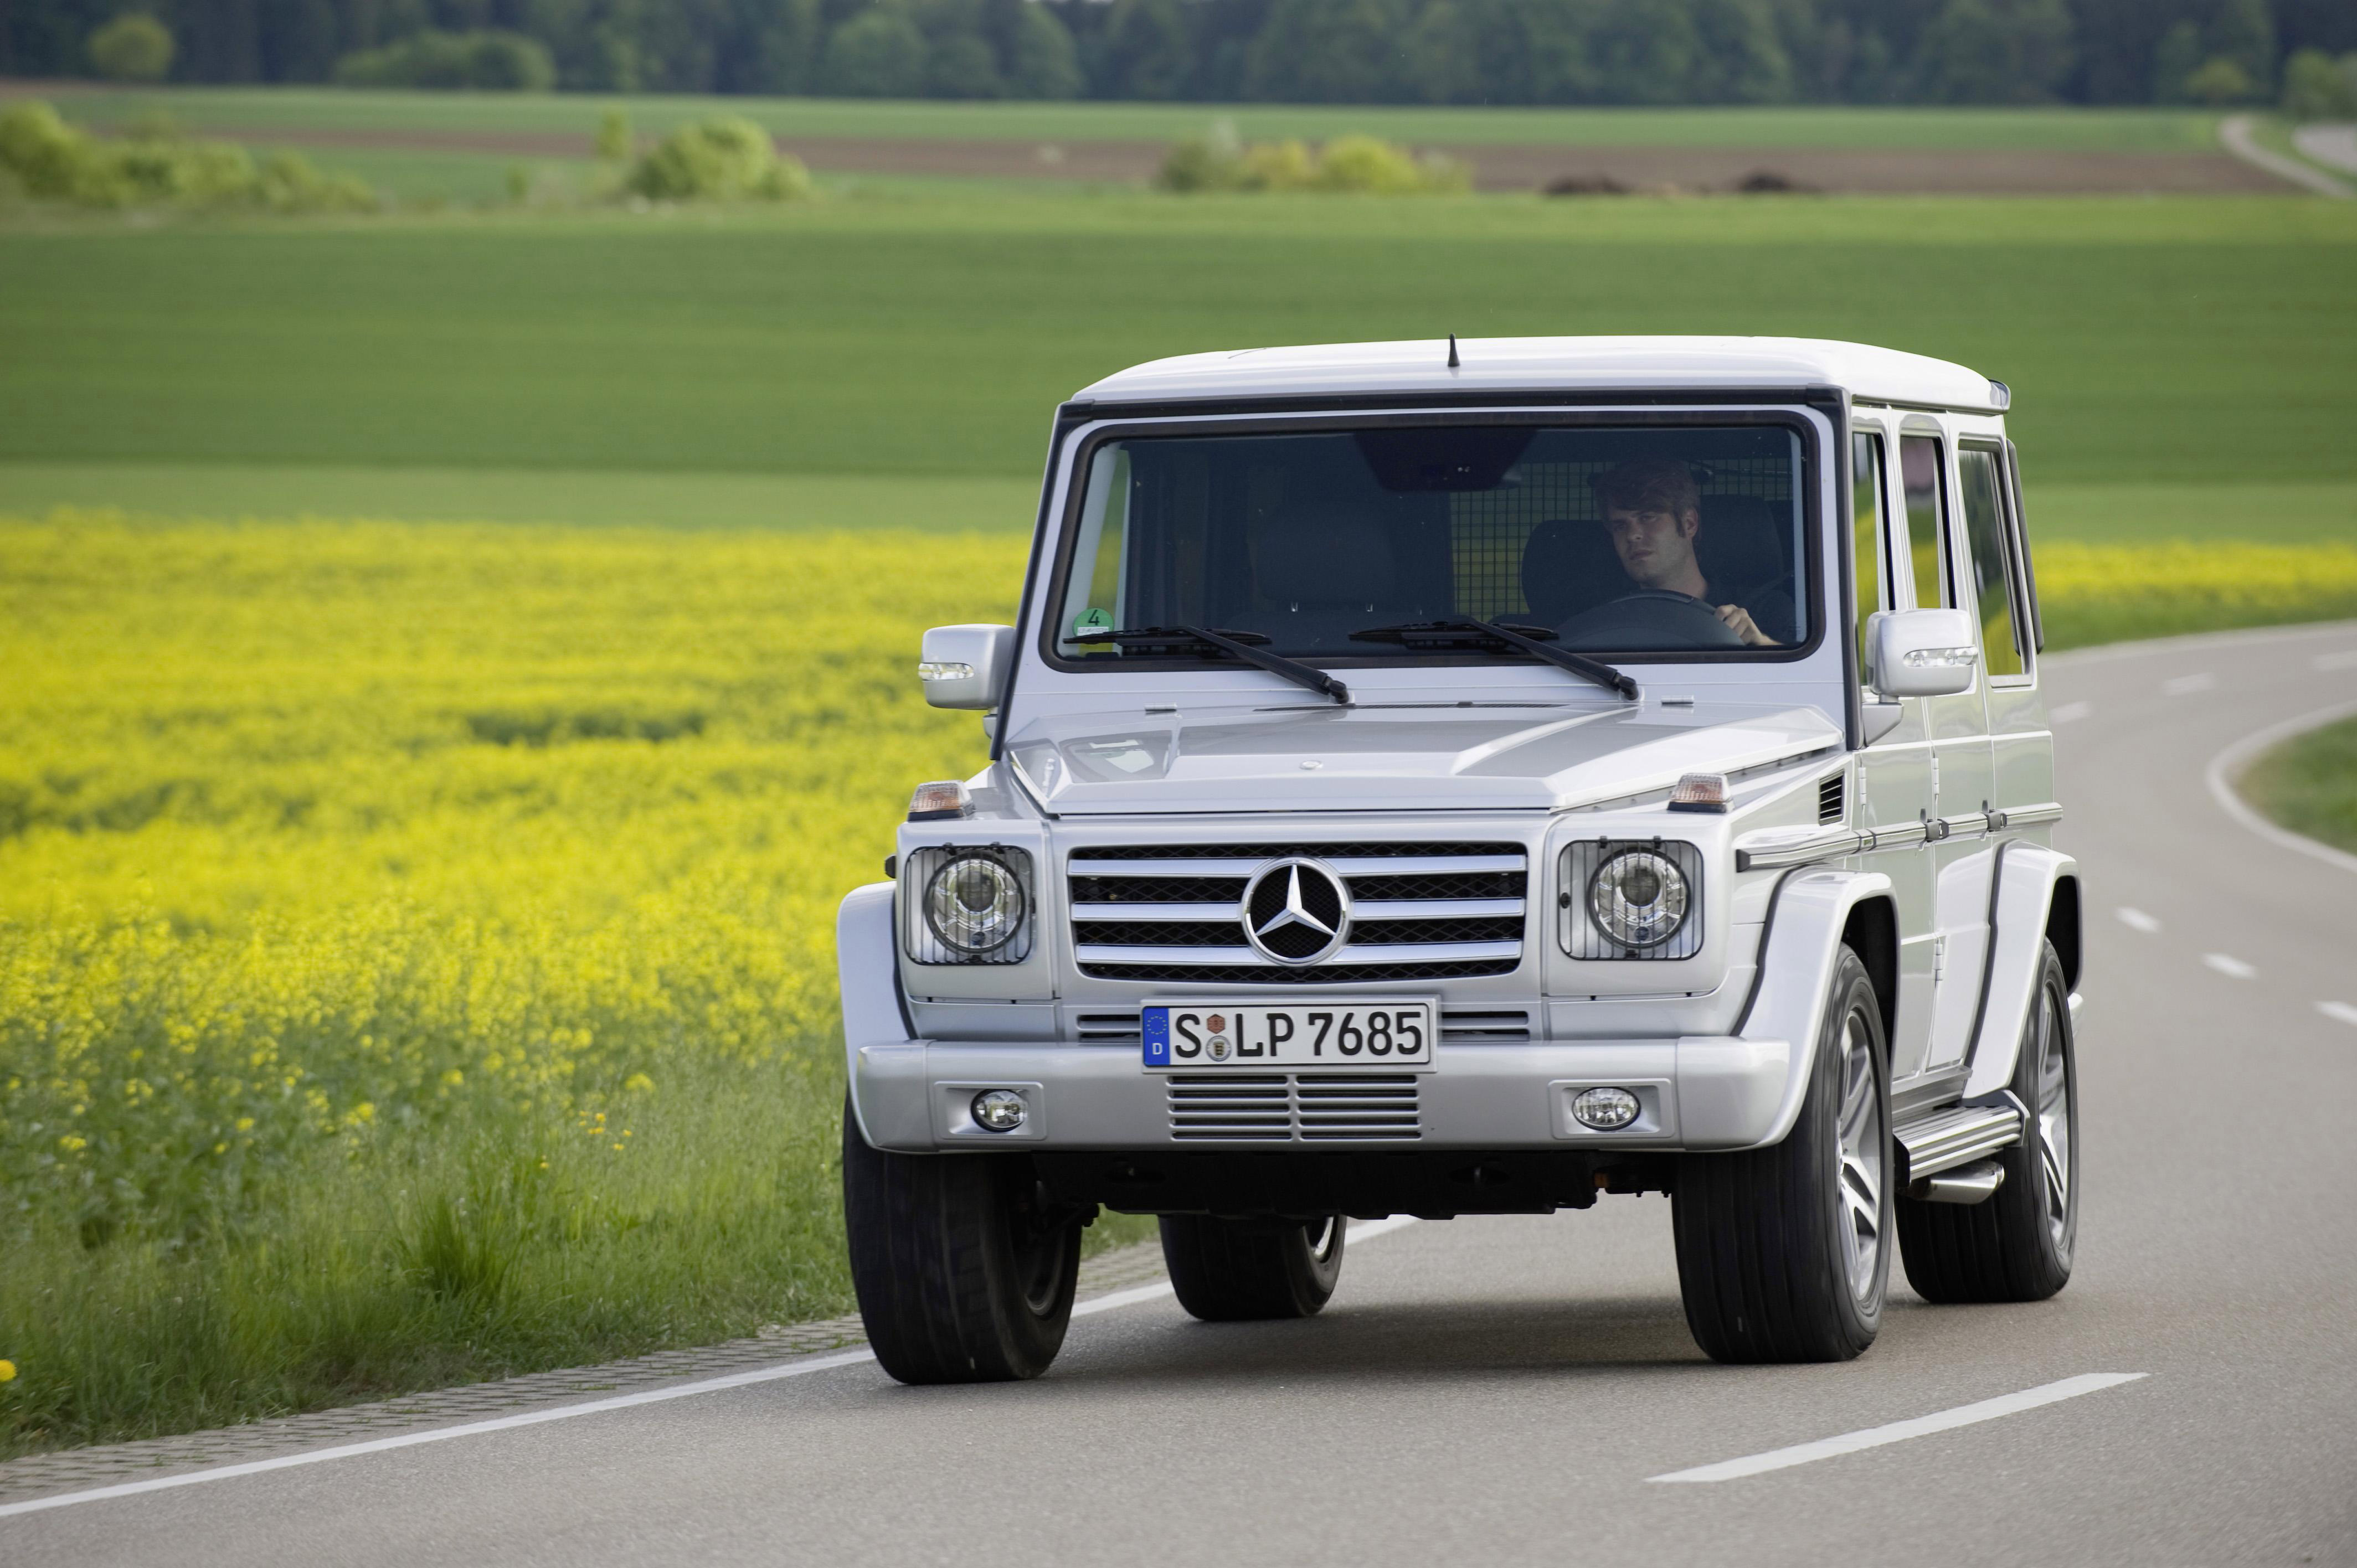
x=1452 y=351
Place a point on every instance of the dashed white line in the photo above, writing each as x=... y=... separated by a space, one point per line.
x=2344 y=660
x=2071 y=713
x=2340 y=1010
x=2137 y=919
x=2185 y=685
x=2227 y=965
x=1900 y=1431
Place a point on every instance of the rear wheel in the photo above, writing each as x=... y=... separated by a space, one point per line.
x=1782 y=1251
x=2015 y=1244
x=1237 y=1271
x=965 y=1274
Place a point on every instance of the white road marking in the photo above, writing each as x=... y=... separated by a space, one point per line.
x=2070 y=712
x=2185 y=685
x=2344 y=660
x=1900 y=1431
x=1362 y=1232
x=2340 y=1010
x=2137 y=919
x=2230 y=761
x=2226 y=963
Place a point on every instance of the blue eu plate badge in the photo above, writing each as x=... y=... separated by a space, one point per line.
x=1158 y=1037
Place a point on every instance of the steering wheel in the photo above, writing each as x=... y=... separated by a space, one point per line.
x=1649 y=617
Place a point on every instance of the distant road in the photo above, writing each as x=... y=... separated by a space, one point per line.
x=1506 y=1391
x=2333 y=144
x=2236 y=133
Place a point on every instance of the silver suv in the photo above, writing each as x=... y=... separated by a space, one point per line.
x=1448 y=780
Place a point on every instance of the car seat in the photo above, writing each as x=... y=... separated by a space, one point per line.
x=1742 y=551
x=1322 y=574
x=1569 y=568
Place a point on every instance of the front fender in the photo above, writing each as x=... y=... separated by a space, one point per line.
x=1733 y=1108
x=2026 y=875
x=874 y=1012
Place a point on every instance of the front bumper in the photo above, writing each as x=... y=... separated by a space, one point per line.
x=1697 y=1092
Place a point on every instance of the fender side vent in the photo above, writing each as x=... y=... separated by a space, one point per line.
x=1833 y=798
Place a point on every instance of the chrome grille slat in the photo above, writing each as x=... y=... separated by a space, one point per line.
x=1242 y=956
x=1174 y=910
x=1348 y=865
x=1367 y=909
x=1300 y=1107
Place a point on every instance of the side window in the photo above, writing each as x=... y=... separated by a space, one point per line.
x=2002 y=650
x=1927 y=505
x=1866 y=539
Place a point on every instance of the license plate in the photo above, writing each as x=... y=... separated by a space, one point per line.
x=1297 y=1036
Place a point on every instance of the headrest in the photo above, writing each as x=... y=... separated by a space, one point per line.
x=1326 y=555
x=1740 y=546
x=1569 y=568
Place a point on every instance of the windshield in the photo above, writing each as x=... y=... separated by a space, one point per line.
x=1600 y=539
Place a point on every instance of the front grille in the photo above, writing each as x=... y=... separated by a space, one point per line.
x=1420 y=911
x=1275 y=1107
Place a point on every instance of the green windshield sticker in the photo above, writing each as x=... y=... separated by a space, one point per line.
x=1091 y=620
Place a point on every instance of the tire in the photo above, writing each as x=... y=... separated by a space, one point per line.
x=2017 y=1244
x=1244 y=1270
x=964 y=1275
x=1783 y=1253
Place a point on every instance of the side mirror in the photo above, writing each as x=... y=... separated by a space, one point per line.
x=966 y=666
x=1925 y=653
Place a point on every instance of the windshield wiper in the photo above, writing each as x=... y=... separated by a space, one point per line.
x=1522 y=638
x=1235 y=644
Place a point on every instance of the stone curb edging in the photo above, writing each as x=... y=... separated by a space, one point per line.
x=78 y=1469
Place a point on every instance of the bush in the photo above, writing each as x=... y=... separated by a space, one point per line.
x=2318 y=87
x=490 y=61
x=54 y=162
x=1356 y=165
x=2221 y=81
x=134 y=47
x=725 y=158
x=614 y=139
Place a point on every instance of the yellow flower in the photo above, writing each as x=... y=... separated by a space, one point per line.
x=638 y=1083
x=72 y=1144
x=454 y=1078
x=7 y=1371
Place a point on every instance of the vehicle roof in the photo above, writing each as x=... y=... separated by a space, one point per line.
x=1551 y=364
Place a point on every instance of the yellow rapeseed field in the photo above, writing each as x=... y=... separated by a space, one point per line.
x=415 y=939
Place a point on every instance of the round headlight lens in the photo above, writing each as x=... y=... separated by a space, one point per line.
x=1638 y=899
x=974 y=904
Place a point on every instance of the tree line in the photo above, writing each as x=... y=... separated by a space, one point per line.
x=1352 y=51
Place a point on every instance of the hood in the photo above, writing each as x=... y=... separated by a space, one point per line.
x=1403 y=757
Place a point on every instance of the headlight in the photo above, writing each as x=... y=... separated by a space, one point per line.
x=970 y=905
x=1631 y=900
x=1638 y=899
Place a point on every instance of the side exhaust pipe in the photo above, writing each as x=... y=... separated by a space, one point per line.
x=1966 y=1184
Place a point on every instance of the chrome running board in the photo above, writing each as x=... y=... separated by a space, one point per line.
x=1957 y=1135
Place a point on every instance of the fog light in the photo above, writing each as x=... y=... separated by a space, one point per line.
x=1002 y=1111
x=1606 y=1110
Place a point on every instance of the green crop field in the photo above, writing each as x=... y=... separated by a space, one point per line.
x=285 y=110
x=458 y=660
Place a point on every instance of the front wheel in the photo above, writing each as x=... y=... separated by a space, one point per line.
x=965 y=1274
x=1241 y=1271
x=2015 y=1244
x=1782 y=1253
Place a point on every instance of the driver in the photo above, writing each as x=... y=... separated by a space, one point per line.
x=1652 y=510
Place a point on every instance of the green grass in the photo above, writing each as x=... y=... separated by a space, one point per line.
x=2148 y=342
x=1988 y=130
x=2315 y=513
x=954 y=504
x=2309 y=784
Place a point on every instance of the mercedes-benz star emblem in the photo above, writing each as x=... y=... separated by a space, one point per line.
x=1297 y=911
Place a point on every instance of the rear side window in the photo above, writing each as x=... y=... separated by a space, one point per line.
x=1927 y=504
x=2001 y=639
x=1865 y=547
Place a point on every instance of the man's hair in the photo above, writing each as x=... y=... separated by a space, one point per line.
x=1649 y=484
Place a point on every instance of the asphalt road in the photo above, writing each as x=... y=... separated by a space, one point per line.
x=1500 y=1391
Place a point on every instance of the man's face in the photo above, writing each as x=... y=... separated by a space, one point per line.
x=1655 y=547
